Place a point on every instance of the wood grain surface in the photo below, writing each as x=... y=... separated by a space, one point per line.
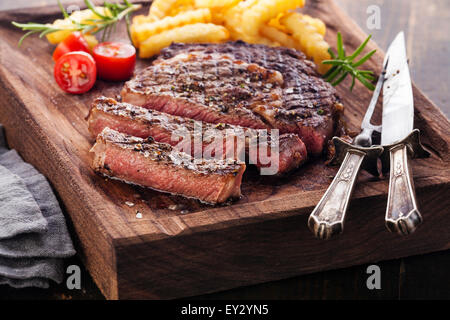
x=206 y=249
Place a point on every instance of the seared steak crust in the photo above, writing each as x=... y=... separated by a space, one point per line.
x=158 y=166
x=243 y=84
x=303 y=87
x=184 y=133
x=213 y=88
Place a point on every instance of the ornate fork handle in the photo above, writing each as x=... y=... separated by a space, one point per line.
x=327 y=219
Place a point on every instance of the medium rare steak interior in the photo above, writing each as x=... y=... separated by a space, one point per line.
x=215 y=140
x=242 y=84
x=158 y=166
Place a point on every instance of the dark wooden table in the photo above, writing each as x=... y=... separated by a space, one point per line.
x=426 y=24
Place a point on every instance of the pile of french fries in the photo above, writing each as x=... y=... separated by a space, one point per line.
x=269 y=22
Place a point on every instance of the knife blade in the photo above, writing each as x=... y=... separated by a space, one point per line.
x=402 y=213
x=327 y=218
x=398 y=104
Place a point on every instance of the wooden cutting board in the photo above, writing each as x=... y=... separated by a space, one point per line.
x=180 y=247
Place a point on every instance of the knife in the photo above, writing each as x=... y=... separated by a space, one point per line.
x=327 y=218
x=400 y=141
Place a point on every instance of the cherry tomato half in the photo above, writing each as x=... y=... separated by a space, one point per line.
x=75 y=72
x=73 y=42
x=115 y=60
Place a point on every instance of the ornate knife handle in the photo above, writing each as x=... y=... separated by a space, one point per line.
x=402 y=213
x=327 y=218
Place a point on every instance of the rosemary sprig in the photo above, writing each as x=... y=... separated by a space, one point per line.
x=344 y=65
x=105 y=22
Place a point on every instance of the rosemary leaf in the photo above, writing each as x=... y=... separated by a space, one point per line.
x=26 y=35
x=331 y=52
x=342 y=65
x=365 y=71
x=64 y=12
x=91 y=6
x=128 y=24
x=340 y=46
x=329 y=72
x=336 y=62
x=105 y=22
x=360 y=48
x=353 y=83
x=342 y=78
x=334 y=74
x=43 y=33
x=364 y=59
x=367 y=84
x=368 y=77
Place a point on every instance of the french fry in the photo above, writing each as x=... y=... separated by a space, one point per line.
x=316 y=23
x=259 y=39
x=218 y=17
x=217 y=7
x=146 y=30
x=140 y=19
x=301 y=30
x=191 y=33
x=137 y=20
x=308 y=42
x=58 y=36
x=265 y=10
x=214 y=4
x=322 y=54
x=183 y=7
x=160 y=8
x=311 y=41
x=275 y=22
x=91 y=40
x=262 y=40
x=282 y=38
x=267 y=22
x=233 y=15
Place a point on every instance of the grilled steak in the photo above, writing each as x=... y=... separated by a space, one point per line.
x=158 y=166
x=242 y=84
x=211 y=88
x=215 y=140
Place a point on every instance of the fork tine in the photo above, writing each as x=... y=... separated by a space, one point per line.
x=373 y=102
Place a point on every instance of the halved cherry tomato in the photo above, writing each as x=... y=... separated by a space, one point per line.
x=74 y=42
x=115 y=60
x=75 y=72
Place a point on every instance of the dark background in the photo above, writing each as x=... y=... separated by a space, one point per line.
x=426 y=25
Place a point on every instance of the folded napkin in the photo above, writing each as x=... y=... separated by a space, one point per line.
x=14 y=198
x=33 y=233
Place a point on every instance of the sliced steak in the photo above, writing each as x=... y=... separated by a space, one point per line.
x=158 y=166
x=221 y=140
x=241 y=84
x=212 y=88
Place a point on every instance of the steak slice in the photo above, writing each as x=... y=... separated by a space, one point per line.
x=211 y=88
x=158 y=166
x=242 y=84
x=227 y=140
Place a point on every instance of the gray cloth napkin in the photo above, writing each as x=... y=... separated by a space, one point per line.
x=33 y=233
x=19 y=212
